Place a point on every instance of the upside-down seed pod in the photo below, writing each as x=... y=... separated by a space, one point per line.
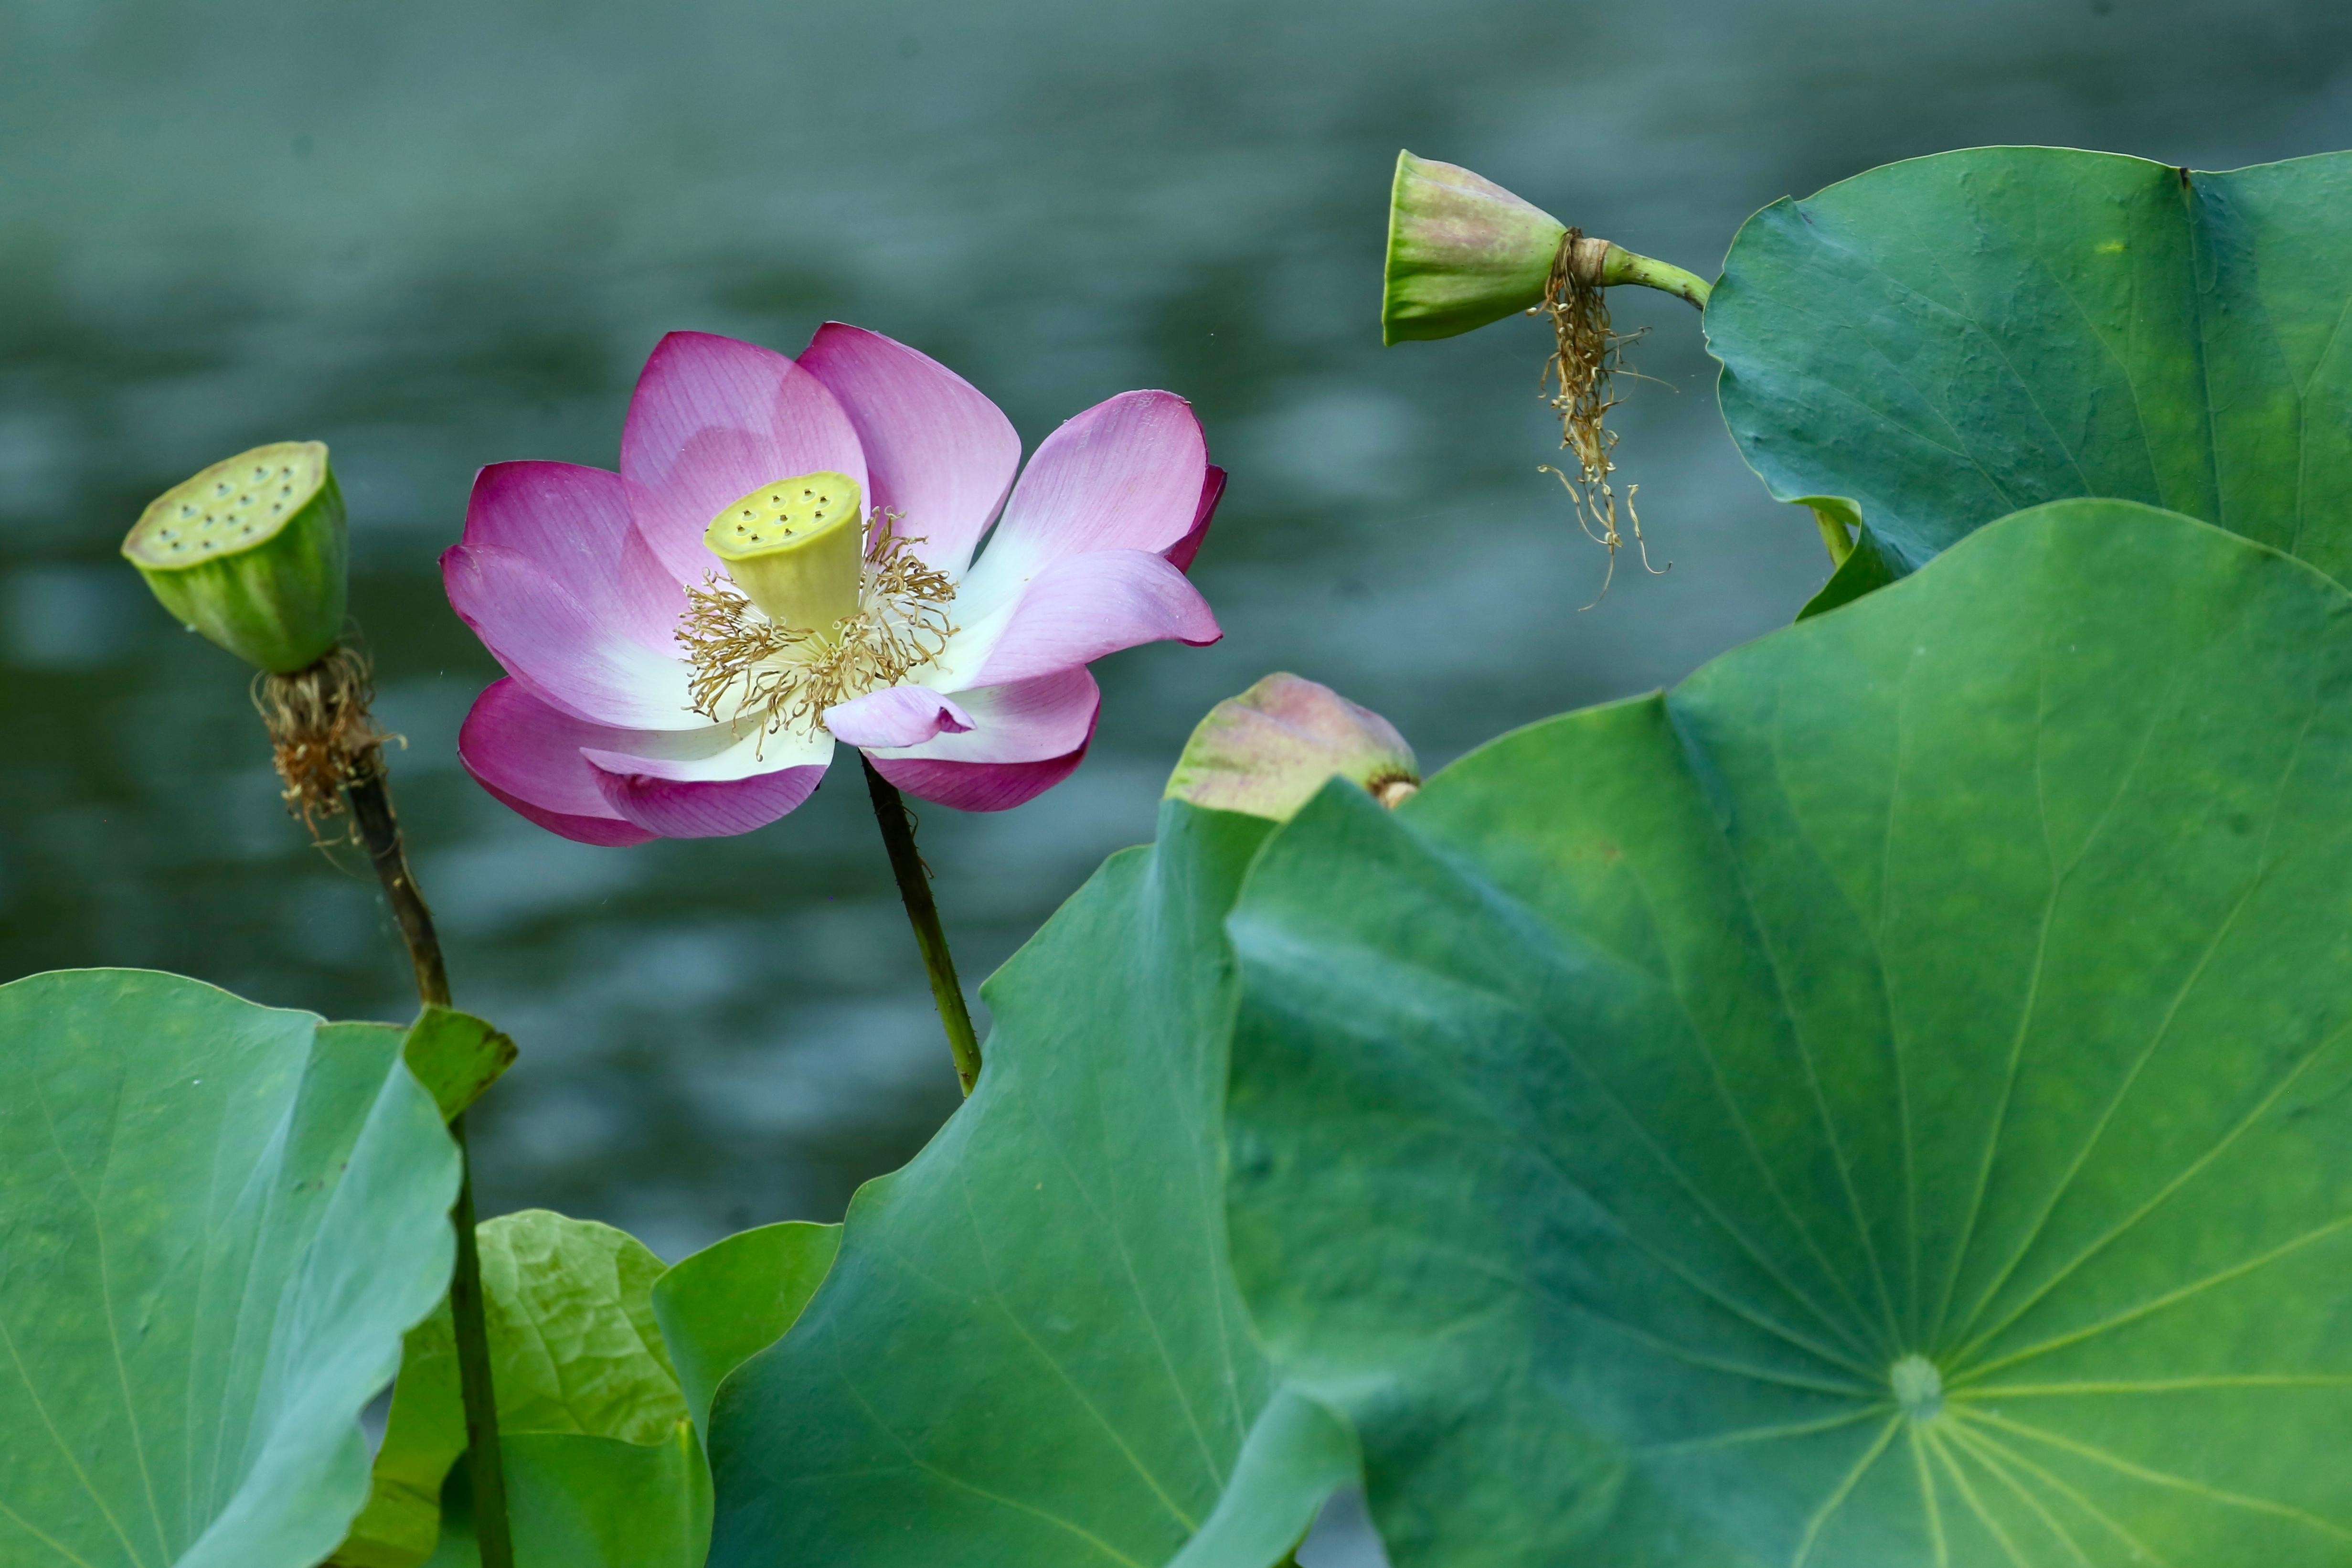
x=1463 y=252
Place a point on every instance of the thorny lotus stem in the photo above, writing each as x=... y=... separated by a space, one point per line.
x=915 y=889
x=367 y=788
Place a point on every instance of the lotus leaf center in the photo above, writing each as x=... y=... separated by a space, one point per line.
x=1919 y=1386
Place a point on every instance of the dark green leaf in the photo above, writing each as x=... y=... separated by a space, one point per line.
x=1633 y=1133
x=456 y=1056
x=1298 y=1454
x=1867 y=567
x=1951 y=339
x=1029 y=1351
x=576 y=1502
x=581 y=1375
x=219 y=1218
x=424 y=1435
x=737 y=1297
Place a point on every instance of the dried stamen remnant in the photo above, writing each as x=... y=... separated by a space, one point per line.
x=1586 y=356
x=320 y=731
x=748 y=668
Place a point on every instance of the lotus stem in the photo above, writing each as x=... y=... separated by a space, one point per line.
x=915 y=891
x=367 y=788
x=492 y=1537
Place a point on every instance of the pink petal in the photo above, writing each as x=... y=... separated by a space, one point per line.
x=573 y=524
x=1213 y=490
x=528 y=755
x=896 y=716
x=1026 y=738
x=1127 y=474
x=938 y=452
x=1079 y=609
x=713 y=419
x=711 y=792
x=567 y=654
x=710 y=808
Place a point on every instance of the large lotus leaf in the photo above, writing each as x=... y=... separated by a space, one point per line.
x=576 y=1502
x=573 y=1343
x=1299 y=1452
x=737 y=1297
x=1949 y=340
x=424 y=1435
x=592 y=1423
x=1029 y=1350
x=215 y=1219
x=1886 y=1104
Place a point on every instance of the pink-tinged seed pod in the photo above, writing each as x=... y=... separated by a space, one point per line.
x=1463 y=252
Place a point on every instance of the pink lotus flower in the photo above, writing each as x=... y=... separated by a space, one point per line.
x=787 y=560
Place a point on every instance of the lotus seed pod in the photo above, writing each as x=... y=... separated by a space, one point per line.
x=254 y=553
x=796 y=548
x=1267 y=752
x=1463 y=252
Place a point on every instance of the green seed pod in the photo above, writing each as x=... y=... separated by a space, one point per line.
x=1267 y=752
x=1463 y=252
x=254 y=553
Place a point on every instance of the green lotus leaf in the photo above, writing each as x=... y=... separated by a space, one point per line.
x=1029 y=1350
x=220 y=1218
x=455 y=1055
x=591 y=1417
x=1950 y=340
x=1868 y=567
x=737 y=1297
x=578 y=1502
x=424 y=1435
x=1300 y=1453
x=1885 y=1104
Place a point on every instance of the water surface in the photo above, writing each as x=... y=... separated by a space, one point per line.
x=440 y=234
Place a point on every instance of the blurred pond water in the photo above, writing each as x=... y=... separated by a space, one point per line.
x=439 y=235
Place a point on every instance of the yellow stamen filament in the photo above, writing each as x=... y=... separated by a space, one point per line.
x=751 y=670
x=1586 y=356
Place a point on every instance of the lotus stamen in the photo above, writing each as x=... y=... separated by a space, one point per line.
x=750 y=669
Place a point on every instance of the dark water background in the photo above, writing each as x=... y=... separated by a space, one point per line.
x=440 y=234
